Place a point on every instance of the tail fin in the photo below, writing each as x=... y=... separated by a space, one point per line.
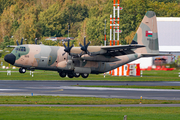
x=147 y=34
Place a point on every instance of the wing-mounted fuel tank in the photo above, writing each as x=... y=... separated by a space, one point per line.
x=99 y=58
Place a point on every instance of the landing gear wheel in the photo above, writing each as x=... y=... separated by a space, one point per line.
x=22 y=70
x=70 y=75
x=84 y=75
x=62 y=74
x=76 y=75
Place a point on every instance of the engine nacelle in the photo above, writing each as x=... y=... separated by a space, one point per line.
x=99 y=58
x=65 y=65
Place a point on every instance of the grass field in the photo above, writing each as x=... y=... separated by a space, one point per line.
x=89 y=113
x=60 y=100
x=52 y=75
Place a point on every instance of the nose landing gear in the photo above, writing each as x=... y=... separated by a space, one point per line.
x=22 y=70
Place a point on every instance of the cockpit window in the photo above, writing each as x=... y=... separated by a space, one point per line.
x=20 y=49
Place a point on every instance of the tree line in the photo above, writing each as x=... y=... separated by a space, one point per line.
x=32 y=19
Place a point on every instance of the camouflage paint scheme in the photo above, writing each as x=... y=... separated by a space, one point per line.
x=103 y=59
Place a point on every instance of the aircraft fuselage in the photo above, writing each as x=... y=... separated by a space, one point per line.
x=51 y=58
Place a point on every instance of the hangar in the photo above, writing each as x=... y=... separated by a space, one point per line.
x=169 y=35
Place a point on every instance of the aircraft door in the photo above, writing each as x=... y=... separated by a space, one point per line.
x=43 y=61
x=102 y=66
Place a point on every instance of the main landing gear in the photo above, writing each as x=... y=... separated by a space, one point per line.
x=22 y=70
x=72 y=74
x=84 y=75
x=62 y=74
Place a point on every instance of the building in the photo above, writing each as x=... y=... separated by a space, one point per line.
x=168 y=35
x=59 y=38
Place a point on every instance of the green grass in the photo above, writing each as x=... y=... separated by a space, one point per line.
x=53 y=75
x=78 y=100
x=89 y=113
x=133 y=86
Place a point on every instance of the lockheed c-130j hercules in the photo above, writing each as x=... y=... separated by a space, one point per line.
x=85 y=60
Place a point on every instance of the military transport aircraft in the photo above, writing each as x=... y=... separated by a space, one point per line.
x=85 y=60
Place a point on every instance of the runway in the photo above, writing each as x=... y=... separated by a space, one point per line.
x=65 y=88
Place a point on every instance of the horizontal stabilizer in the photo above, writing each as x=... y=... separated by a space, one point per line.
x=134 y=42
x=155 y=54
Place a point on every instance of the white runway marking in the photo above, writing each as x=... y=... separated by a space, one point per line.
x=10 y=89
x=103 y=88
x=173 y=82
x=126 y=89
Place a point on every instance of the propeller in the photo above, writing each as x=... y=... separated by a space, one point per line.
x=17 y=42
x=84 y=48
x=67 y=48
x=36 y=41
x=22 y=40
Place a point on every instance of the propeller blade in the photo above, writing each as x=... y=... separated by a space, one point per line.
x=80 y=45
x=64 y=45
x=71 y=46
x=88 y=43
x=80 y=54
x=84 y=40
x=22 y=41
x=17 y=42
x=36 y=41
x=63 y=54
x=84 y=48
x=67 y=48
x=89 y=53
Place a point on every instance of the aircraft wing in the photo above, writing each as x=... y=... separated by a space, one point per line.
x=120 y=49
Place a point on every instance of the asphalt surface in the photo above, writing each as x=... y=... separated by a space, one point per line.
x=65 y=88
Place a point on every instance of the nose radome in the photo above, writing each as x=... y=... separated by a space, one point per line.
x=10 y=58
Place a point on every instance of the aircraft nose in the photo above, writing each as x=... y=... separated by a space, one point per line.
x=10 y=58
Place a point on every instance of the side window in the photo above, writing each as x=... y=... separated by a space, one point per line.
x=50 y=60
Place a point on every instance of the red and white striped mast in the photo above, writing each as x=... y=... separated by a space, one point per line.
x=118 y=23
x=118 y=31
x=105 y=33
x=110 y=39
x=114 y=21
x=115 y=25
x=110 y=30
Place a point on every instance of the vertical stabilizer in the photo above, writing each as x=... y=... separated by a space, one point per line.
x=147 y=34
